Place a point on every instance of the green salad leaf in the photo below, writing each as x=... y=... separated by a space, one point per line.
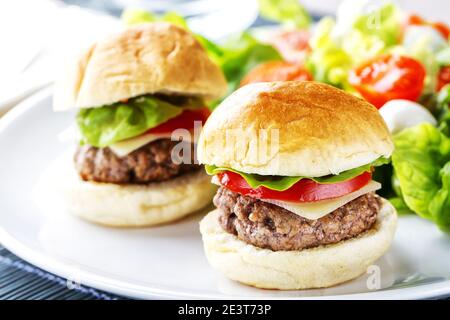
x=337 y=46
x=384 y=23
x=103 y=126
x=288 y=12
x=328 y=61
x=280 y=183
x=400 y=205
x=421 y=163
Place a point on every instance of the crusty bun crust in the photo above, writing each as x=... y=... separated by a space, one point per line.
x=319 y=267
x=321 y=130
x=144 y=59
x=136 y=205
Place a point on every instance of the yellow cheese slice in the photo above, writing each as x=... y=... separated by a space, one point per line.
x=319 y=209
x=125 y=147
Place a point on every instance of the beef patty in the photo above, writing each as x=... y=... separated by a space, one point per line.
x=150 y=163
x=269 y=226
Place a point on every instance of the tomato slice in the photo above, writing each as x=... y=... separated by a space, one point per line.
x=185 y=120
x=441 y=27
x=276 y=71
x=389 y=77
x=305 y=190
x=444 y=77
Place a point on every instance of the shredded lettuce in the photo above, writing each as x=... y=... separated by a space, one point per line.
x=421 y=163
x=280 y=183
x=357 y=36
x=103 y=126
x=328 y=61
x=287 y=12
x=383 y=22
x=338 y=46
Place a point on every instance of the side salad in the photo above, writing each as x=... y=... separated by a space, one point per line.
x=398 y=61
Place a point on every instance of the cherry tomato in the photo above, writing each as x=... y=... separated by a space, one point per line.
x=305 y=190
x=389 y=77
x=276 y=71
x=183 y=121
x=292 y=45
x=444 y=77
x=441 y=27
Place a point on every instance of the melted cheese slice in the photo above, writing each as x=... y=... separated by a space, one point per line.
x=125 y=147
x=319 y=209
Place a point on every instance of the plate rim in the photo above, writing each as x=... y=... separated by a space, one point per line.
x=92 y=279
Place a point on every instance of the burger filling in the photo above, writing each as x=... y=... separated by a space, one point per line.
x=266 y=225
x=130 y=141
x=295 y=213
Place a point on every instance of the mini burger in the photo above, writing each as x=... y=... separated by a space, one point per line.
x=296 y=206
x=132 y=91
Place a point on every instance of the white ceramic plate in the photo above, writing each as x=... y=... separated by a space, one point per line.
x=167 y=261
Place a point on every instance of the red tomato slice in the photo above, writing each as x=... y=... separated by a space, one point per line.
x=389 y=77
x=305 y=190
x=444 y=77
x=183 y=121
x=276 y=71
x=441 y=27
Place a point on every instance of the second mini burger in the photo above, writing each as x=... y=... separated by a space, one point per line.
x=296 y=207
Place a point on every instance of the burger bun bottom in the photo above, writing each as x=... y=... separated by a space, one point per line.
x=135 y=205
x=319 y=267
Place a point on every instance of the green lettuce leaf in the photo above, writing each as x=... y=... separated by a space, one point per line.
x=440 y=205
x=288 y=12
x=283 y=183
x=422 y=165
x=103 y=126
x=400 y=205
